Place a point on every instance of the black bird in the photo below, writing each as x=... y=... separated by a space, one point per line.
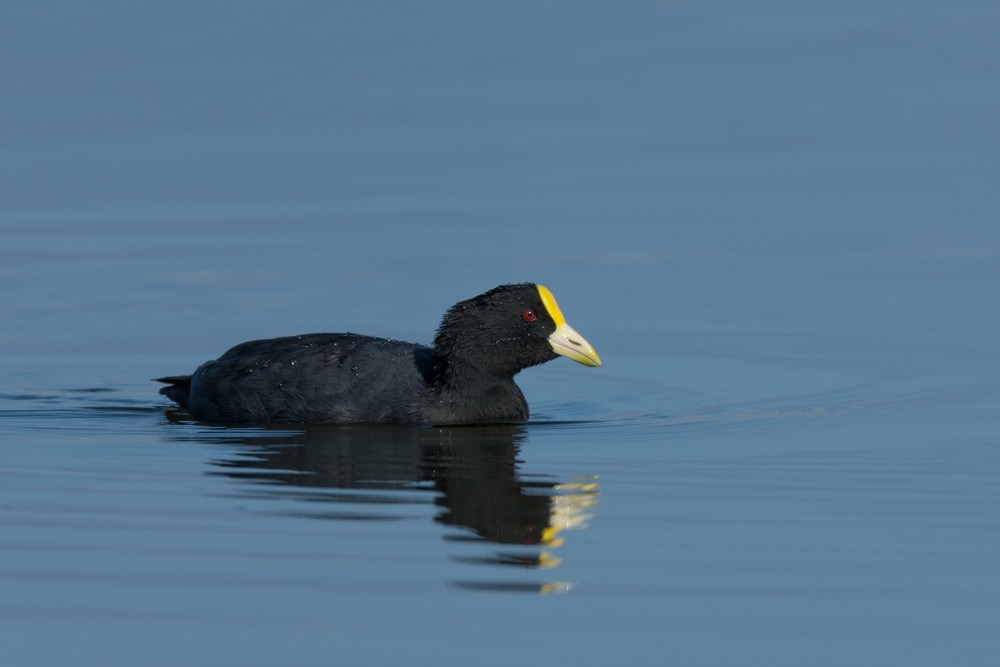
x=467 y=377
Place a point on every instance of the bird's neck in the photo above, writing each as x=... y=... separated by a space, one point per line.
x=486 y=395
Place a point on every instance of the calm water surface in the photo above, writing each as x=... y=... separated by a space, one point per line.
x=777 y=226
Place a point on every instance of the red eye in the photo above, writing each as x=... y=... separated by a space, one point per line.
x=529 y=316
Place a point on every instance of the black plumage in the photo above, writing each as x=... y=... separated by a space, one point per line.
x=466 y=377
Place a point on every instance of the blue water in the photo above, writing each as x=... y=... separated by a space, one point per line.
x=776 y=223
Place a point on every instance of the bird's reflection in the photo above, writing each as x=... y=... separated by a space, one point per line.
x=372 y=472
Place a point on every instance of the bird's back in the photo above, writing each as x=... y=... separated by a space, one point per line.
x=314 y=378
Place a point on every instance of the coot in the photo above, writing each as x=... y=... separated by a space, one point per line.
x=466 y=377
